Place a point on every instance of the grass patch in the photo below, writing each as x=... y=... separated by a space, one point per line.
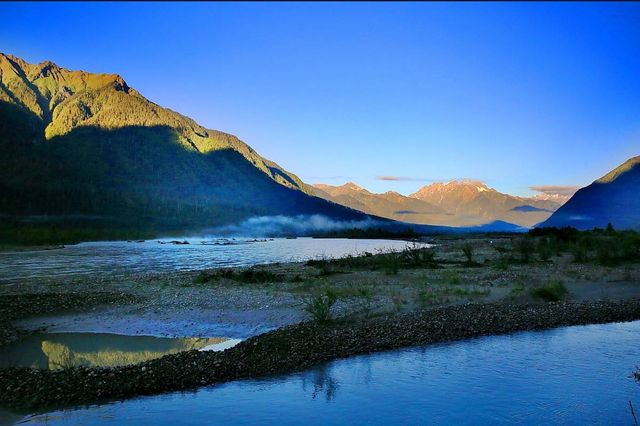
x=246 y=276
x=517 y=289
x=467 y=251
x=296 y=279
x=451 y=278
x=551 y=292
x=318 y=305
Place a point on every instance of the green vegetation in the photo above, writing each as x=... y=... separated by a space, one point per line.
x=246 y=276
x=87 y=150
x=525 y=248
x=606 y=247
x=467 y=250
x=451 y=278
x=390 y=262
x=551 y=292
x=319 y=304
x=50 y=232
x=545 y=249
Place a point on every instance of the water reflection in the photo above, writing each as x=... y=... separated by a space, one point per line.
x=63 y=350
x=575 y=375
x=321 y=382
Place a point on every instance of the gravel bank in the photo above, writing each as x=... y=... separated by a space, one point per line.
x=294 y=348
x=16 y=307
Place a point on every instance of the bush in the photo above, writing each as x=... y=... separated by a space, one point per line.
x=545 y=250
x=319 y=305
x=552 y=292
x=451 y=278
x=417 y=257
x=524 y=246
x=390 y=263
x=205 y=276
x=579 y=252
x=296 y=279
x=467 y=250
x=253 y=276
x=248 y=276
x=500 y=264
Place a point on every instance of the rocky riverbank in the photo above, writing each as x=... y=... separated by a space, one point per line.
x=20 y=306
x=295 y=348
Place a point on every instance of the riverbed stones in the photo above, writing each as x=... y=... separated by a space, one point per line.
x=297 y=347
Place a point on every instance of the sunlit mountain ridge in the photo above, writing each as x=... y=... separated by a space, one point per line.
x=455 y=203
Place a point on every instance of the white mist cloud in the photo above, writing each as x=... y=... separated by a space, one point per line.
x=269 y=226
x=559 y=190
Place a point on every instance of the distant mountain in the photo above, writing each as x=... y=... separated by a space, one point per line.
x=87 y=145
x=456 y=203
x=473 y=202
x=614 y=198
x=390 y=204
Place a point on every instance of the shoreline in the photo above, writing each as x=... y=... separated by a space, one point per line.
x=297 y=347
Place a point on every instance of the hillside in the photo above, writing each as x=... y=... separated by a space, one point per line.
x=84 y=145
x=614 y=198
x=456 y=203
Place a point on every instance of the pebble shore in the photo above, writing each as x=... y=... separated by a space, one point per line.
x=296 y=347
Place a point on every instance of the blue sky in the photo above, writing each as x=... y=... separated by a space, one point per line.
x=512 y=94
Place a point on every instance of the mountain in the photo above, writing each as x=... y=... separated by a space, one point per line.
x=473 y=202
x=614 y=198
x=84 y=145
x=456 y=203
x=390 y=204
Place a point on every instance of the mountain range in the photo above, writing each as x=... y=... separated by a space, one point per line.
x=614 y=198
x=84 y=147
x=461 y=203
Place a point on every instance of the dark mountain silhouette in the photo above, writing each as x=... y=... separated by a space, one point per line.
x=614 y=198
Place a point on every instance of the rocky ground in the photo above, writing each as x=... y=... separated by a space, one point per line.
x=18 y=306
x=184 y=304
x=381 y=303
x=295 y=348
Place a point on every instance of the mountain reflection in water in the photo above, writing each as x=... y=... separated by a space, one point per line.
x=62 y=350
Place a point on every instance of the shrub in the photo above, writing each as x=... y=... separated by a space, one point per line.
x=500 y=264
x=253 y=276
x=390 y=263
x=202 y=278
x=319 y=305
x=524 y=247
x=205 y=276
x=296 y=279
x=467 y=250
x=451 y=278
x=419 y=257
x=579 y=252
x=552 y=292
x=248 y=276
x=545 y=250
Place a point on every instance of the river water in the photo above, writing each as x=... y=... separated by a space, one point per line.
x=122 y=257
x=573 y=375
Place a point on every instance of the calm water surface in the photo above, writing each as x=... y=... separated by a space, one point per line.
x=574 y=375
x=121 y=257
x=54 y=351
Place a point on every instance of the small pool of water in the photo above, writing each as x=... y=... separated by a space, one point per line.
x=54 y=351
x=574 y=375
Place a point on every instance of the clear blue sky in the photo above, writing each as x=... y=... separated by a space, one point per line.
x=512 y=94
